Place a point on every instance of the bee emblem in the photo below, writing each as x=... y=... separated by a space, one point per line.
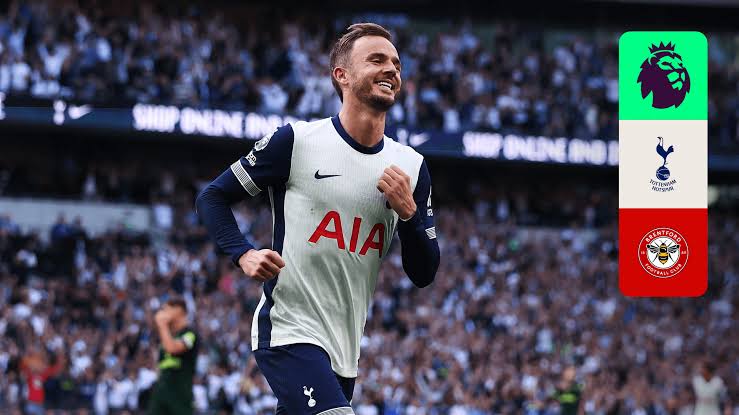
x=663 y=251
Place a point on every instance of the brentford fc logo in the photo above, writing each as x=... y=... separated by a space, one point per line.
x=663 y=252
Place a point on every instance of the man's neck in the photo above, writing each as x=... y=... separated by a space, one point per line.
x=365 y=126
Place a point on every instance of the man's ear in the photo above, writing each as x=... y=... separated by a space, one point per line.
x=341 y=75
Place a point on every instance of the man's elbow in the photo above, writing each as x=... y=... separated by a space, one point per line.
x=425 y=276
x=204 y=199
x=424 y=281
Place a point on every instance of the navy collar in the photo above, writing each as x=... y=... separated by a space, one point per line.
x=352 y=142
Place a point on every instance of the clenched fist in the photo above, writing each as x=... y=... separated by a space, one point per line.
x=262 y=265
x=396 y=186
x=162 y=317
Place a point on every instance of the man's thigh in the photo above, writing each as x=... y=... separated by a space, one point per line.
x=301 y=378
x=163 y=402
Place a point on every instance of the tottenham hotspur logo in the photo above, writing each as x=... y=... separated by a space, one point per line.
x=309 y=393
x=663 y=182
x=663 y=252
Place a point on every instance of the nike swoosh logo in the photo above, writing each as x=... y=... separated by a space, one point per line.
x=323 y=176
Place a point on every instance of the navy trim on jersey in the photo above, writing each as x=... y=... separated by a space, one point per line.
x=277 y=199
x=352 y=142
x=418 y=245
x=264 y=324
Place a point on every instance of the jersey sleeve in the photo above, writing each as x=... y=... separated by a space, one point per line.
x=189 y=339
x=419 y=247
x=267 y=164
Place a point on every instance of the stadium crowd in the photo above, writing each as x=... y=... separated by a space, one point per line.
x=509 y=79
x=511 y=308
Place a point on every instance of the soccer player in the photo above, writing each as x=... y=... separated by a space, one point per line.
x=339 y=188
x=569 y=392
x=172 y=393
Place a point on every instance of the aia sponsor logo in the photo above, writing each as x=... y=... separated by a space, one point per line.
x=663 y=252
x=331 y=228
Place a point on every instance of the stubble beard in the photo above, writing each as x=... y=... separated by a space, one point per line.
x=363 y=92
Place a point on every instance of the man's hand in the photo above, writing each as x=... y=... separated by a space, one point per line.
x=396 y=186
x=162 y=317
x=262 y=265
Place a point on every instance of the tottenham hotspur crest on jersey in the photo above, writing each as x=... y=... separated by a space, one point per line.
x=309 y=393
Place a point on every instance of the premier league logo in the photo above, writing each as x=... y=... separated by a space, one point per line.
x=258 y=146
x=664 y=76
x=663 y=252
x=261 y=144
x=663 y=173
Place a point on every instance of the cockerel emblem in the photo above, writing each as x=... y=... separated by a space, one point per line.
x=663 y=173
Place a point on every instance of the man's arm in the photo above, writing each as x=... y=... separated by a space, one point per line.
x=419 y=247
x=213 y=206
x=169 y=344
x=268 y=164
x=57 y=367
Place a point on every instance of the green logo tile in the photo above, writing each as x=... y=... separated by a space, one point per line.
x=663 y=76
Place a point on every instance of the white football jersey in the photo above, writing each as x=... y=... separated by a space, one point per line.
x=332 y=227
x=708 y=395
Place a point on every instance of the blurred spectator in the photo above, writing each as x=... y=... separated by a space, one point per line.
x=709 y=391
x=36 y=371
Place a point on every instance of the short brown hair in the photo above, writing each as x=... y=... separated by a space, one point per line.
x=343 y=47
x=177 y=302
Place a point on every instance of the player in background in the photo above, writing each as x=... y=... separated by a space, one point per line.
x=568 y=393
x=339 y=188
x=172 y=394
x=709 y=391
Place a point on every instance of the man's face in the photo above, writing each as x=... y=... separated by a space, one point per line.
x=569 y=374
x=374 y=72
x=175 y=314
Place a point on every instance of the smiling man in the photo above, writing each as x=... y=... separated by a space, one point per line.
x=339 y=189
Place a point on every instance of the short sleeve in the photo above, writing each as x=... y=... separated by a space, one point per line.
x=268 y=163
x=189 y=339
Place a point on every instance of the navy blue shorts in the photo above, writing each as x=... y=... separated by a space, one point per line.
x=301 y=378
